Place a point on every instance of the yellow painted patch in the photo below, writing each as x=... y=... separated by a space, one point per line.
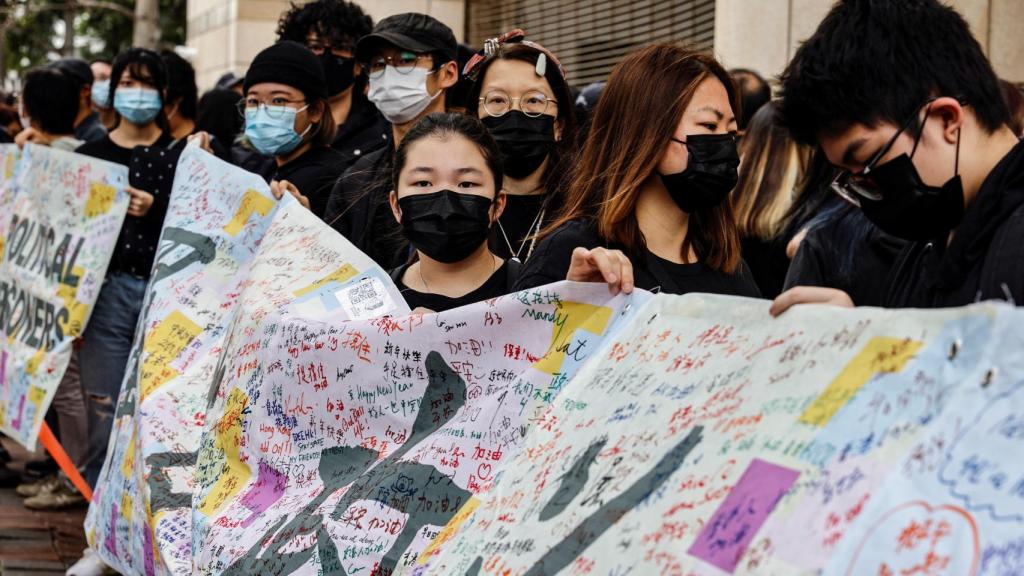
x=164 y=343
x=570 y=317
x=340 y=275
x=449 y=530
x=228 y=438
x=101 y=198
x=126 y=507
x=129 y=457
x=3 y=245
x=33 y=363
x=75 y=323
x=252 y=202
x=879 y=356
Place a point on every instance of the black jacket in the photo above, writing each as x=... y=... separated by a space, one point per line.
x=364 y=132
x=985 y=260
x=844 y=250
x=314 y=174
x=358 y=208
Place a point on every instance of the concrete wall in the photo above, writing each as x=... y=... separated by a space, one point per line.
x=764 y=34
x=227 y=34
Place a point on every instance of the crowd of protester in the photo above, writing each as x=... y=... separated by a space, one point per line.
x=883 y=168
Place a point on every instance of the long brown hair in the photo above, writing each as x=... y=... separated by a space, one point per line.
x=635 y=118
x=772 y=169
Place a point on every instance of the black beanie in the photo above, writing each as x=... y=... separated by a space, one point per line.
x=292 y=64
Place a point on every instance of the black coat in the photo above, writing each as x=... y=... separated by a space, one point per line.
x=358 y=208
x=985 y=260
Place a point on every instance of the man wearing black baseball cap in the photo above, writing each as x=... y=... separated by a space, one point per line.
x=88 y=126
x=410 y=60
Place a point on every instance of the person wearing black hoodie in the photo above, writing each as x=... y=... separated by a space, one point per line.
x=911 y=111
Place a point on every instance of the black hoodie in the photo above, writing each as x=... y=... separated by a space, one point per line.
x=985 y=260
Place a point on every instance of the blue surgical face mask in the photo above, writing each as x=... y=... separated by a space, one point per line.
x=137 y=105
x=101 y=93
x=272 y=130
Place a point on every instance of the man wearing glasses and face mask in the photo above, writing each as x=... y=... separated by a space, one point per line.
x=410 y=61
x=910 y=110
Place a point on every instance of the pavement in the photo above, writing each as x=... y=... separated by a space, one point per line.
x=36 y=543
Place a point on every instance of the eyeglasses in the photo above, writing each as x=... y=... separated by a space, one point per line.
x=318 y=47
x=403 y=63
x=498 y=103
x=853 y=187
x=276 y=108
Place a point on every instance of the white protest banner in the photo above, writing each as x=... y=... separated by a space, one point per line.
x=362 y=439
x=221 y=222
x=289 y=416
x=711 y=439
x=60 y=216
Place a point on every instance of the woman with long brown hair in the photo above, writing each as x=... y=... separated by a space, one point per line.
x=652 y=185
x=771 y=172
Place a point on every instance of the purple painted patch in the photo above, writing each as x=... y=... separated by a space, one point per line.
x=269 y=487
x=147 y=551
x=111 y=542
x=731 y=529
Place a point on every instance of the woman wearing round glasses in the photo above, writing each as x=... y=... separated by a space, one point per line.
x=287 y=117
x=521 y=95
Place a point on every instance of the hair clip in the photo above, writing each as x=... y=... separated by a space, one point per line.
x=492 y=45
x=542 y=64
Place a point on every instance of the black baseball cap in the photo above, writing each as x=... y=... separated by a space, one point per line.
x=410 y=31
x=76 y=69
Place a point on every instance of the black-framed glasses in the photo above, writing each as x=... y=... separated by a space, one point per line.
x=403 y=63
x=853 y=187
x=276 y=107
x=533 y=103
x=319 y=47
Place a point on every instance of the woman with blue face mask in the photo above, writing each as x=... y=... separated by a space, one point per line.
x=287 y=117
x=137 y=88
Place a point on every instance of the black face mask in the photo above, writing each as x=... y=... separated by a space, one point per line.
x=446 y=226
x=710 y=172
x=339 y=72
x=908 y=208
x=524 y=141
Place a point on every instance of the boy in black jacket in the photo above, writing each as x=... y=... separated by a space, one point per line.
x=900 y=96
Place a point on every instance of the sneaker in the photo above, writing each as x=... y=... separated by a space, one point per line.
x=89 y=565
x=30 y=489
x=60 y=498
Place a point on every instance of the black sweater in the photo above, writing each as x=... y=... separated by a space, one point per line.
x=550 y=263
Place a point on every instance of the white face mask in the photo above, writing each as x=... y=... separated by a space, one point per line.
x=401 y=97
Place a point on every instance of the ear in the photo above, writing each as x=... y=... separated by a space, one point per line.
x=952 y=112
x=449 y=74
x=499 y=205
x=559 y=127
x=395 y=210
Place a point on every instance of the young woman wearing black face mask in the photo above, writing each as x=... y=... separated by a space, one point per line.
x=447 y=196
x=653 y=183
x=520 y=94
